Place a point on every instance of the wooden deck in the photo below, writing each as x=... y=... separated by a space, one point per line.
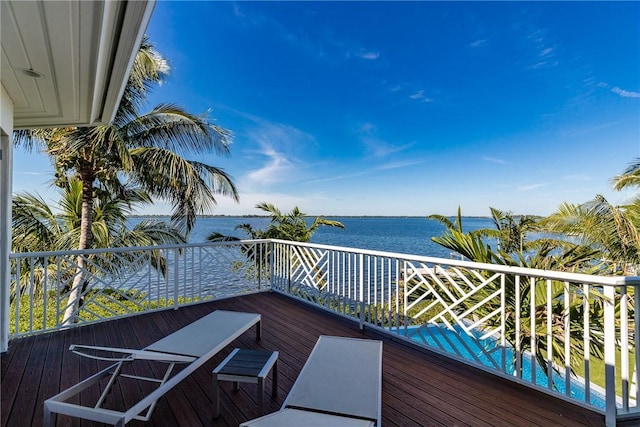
x=419 y=388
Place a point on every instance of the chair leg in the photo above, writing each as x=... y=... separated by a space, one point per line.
x=216 y=396
x=47 y=416
x=274 y=382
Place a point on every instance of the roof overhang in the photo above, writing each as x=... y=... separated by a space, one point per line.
x=82 y=50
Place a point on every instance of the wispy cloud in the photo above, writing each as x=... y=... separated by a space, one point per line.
x=417 y=95
x=478 y=43
x=362 y=172
x=377 y=147
x=420 y=96
x=543 y=49
x=545 y=52
x=370 y=55
x=324 y=45
x=236 y=10
x=338 y=177
x=33 y=173
x=625 y=93
x=493 y=160
x=531 y=187
x=276 y=168
x=590 y=129
x=275 y=158
x=399 y=165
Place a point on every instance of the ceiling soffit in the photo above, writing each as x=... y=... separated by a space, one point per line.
x=83 y=51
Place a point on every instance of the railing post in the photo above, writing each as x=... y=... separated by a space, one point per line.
x=636 y=343
x=610 y=355
x=176 y=251
x=259 y=246
x=361 y=280
x=288 y=268
x=271 y=248
x=272 y=258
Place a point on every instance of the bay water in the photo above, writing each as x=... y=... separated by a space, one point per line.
x=407 y=235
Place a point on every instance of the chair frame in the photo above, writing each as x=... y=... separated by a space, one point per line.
x=167 y=350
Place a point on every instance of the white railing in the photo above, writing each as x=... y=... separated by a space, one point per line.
x=582 y=348
x=123 y=281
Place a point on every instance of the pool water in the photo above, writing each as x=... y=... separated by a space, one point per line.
x=487 y=352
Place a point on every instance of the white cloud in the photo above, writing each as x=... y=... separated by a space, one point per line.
x=367 y=128
x=276 y=168
x=368 y=55
x=398 y=165
x=32 y=173
x=531 y=187
x=625 y=93
x=377 y=147
x=493 y=160
x=590 y=129
x=338 y=177
x=276 y=157
x=249 y=199
x=478 y=43
x=546 y=51
x=417 y=95
x=236 y=10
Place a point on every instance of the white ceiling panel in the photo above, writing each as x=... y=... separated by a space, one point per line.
x=83 y=51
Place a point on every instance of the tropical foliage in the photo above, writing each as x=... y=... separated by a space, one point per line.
x=39 y=227
x=523 y=300
x=149 y=151
x=284 y=226
x=597 y=238
x=510 y=230
x=291 y=226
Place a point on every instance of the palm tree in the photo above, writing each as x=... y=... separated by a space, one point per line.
x=630 y=177
x=39 y=227
x=511 y=231
x=290 y=226
x=611 y=230
x=449 y=225
x=549 y=254
x=141 y=149
x=284 y=226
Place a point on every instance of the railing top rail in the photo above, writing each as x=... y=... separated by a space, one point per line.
x=129 y=249
x=521 y=271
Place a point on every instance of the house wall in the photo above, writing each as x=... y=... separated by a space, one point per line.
x=6 y=173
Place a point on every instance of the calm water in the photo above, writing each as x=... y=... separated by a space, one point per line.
x=410 y=235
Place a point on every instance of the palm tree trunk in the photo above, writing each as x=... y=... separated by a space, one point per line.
x=75 y=295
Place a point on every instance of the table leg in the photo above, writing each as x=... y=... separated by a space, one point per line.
x=260 y=396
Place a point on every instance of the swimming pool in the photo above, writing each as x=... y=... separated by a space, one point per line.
x=488 y=353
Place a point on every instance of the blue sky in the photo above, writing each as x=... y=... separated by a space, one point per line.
x=405 y=108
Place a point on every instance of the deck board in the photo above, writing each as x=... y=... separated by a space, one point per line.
x=420 y=388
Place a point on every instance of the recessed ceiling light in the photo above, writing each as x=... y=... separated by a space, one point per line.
x=31 y=73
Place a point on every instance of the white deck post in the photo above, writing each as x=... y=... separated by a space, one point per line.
x=610 y=355
x=6 y=189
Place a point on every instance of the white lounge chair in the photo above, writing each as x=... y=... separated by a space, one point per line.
x=192 y=345
x=339 y=385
